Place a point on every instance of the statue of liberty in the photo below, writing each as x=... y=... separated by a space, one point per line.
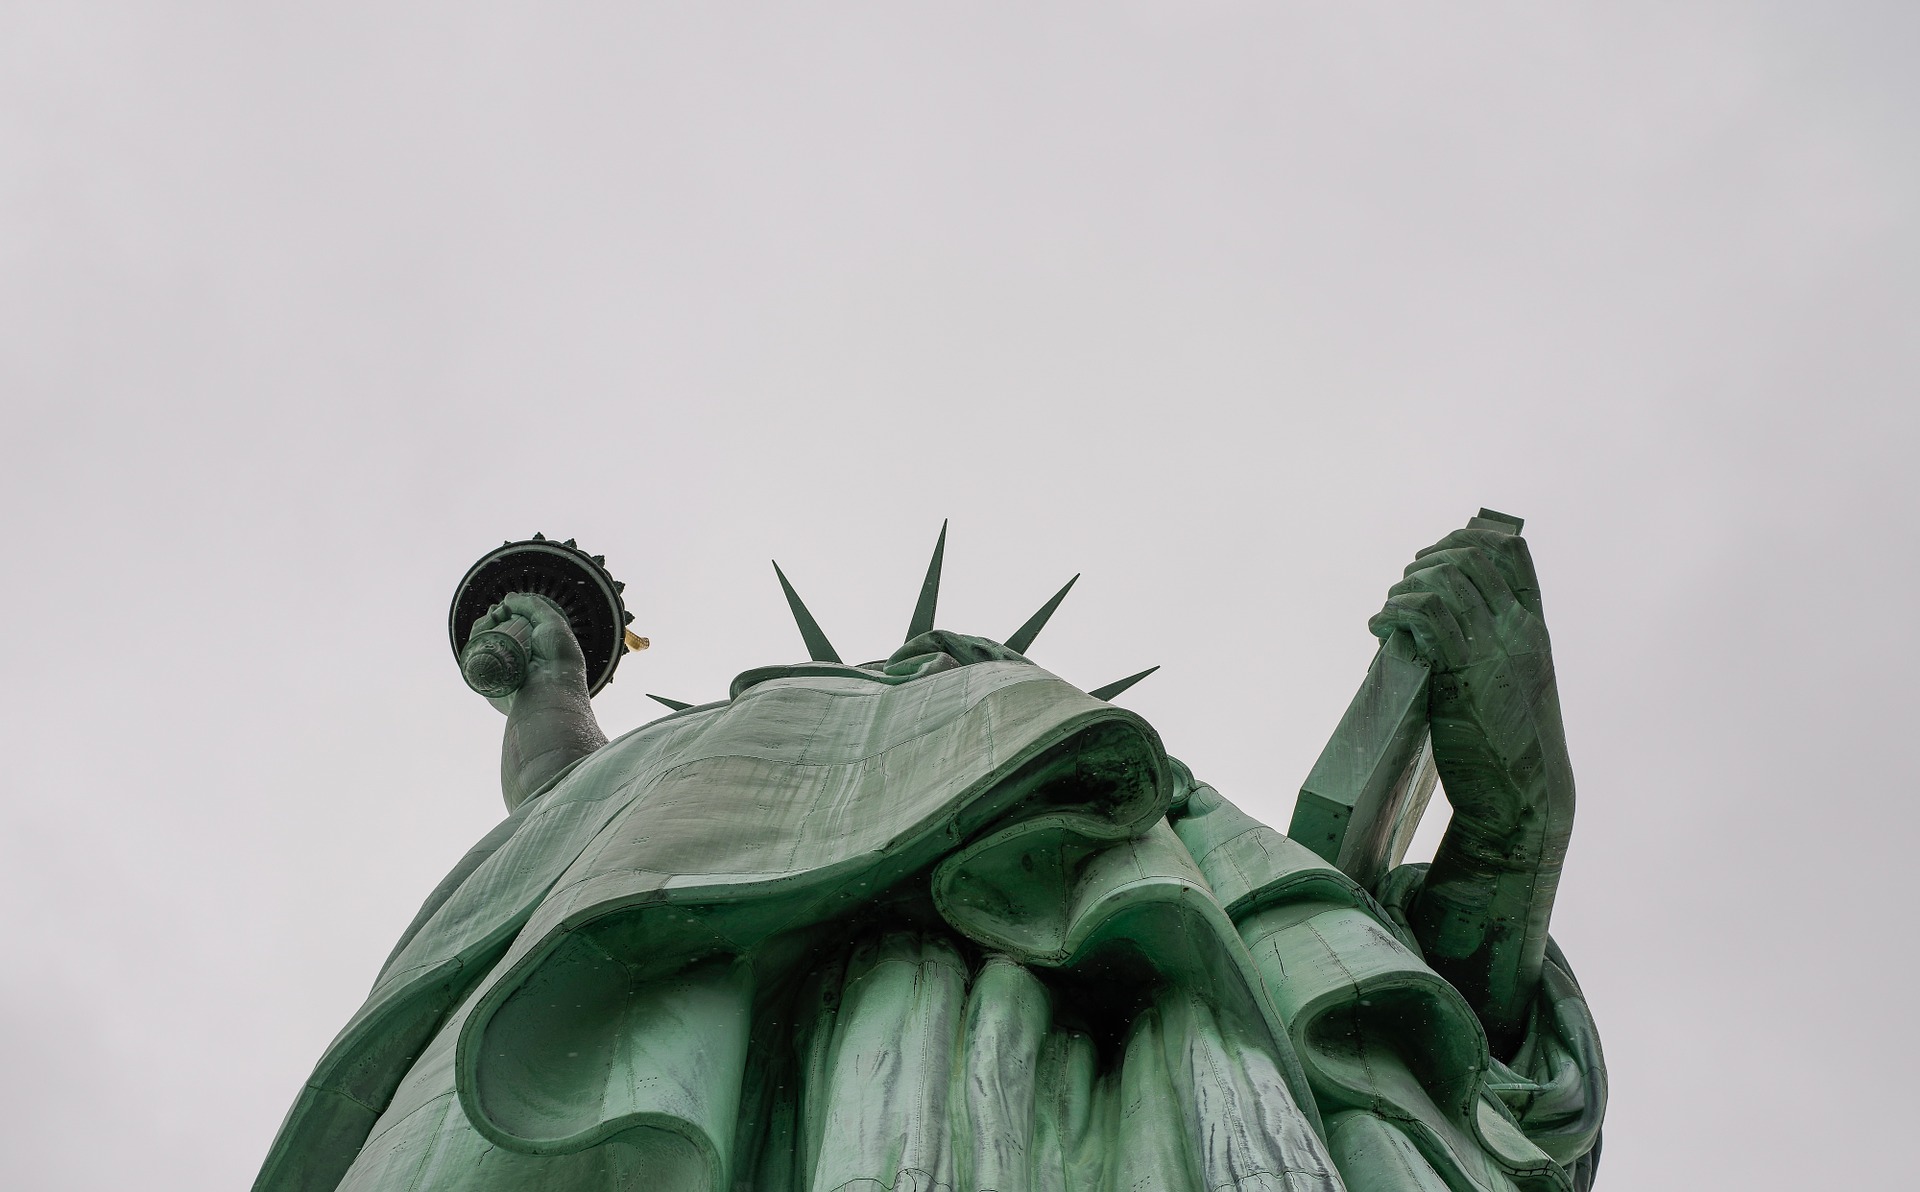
x=945 y=922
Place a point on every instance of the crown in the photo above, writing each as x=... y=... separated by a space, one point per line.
x=819 y=649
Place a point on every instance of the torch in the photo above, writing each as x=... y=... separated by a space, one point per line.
x=494 y=661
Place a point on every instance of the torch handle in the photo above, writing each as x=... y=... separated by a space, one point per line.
x=494 y=662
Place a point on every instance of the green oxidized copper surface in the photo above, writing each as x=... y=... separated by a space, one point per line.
x=947 y=921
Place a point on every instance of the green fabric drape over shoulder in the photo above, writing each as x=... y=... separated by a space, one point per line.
x=926 y=926
x=1397 y=1060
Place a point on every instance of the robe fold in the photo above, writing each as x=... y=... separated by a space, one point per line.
x=934 y=925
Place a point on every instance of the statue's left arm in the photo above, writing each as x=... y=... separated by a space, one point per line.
x=1472 y=605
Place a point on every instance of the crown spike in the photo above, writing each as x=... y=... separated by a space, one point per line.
x=818 y=647
x=929 y=590
x=1023 y=636
x=1115 y=688
x=675 y=704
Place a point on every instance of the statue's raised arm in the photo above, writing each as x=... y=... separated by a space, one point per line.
x=1472 y=605
x=550 y=720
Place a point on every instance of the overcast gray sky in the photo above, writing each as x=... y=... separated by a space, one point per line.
x=1229 y=307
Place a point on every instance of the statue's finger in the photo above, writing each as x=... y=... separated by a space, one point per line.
x=537 y=609
x=1509 y=554
x=1494 y=540
x=1480 y=568
x=1437 y=633
x=1455 y=589
x=1428 y=641
x=1448 y=543
x=1449 y=637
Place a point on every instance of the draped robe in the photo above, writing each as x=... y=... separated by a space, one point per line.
x=943 y=923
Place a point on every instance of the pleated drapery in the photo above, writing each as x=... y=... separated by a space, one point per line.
x=908 y=1067
x=919 y=1070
